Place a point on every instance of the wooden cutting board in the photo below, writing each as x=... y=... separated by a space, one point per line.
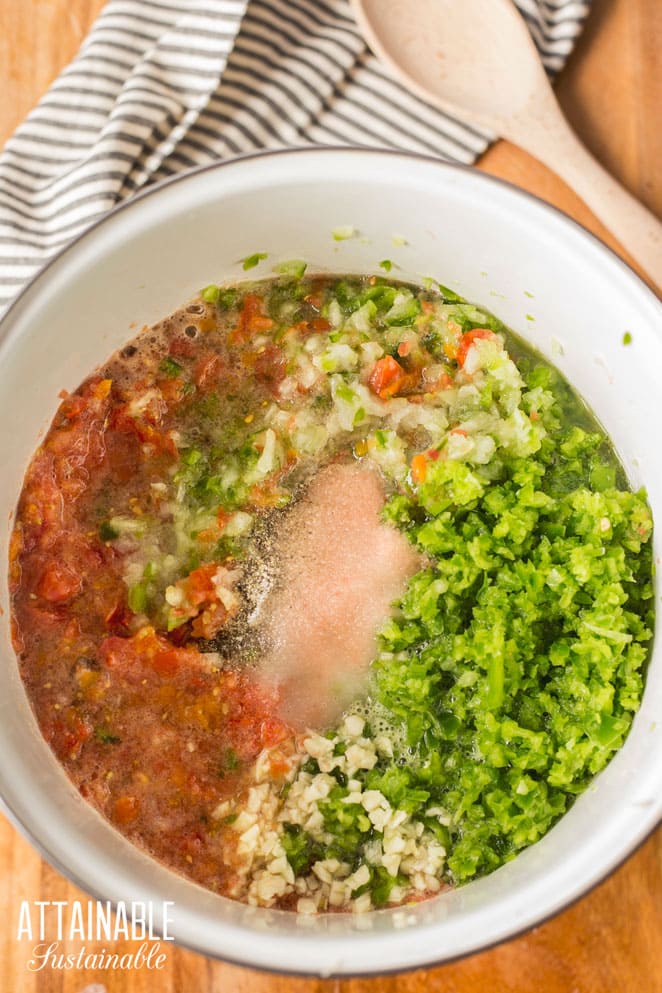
x=609 y=942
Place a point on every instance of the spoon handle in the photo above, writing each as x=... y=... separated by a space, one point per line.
x=547 y=135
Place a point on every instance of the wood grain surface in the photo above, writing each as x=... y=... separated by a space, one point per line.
x=609 y=942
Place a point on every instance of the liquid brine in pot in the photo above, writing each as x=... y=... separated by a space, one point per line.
x=329 y=592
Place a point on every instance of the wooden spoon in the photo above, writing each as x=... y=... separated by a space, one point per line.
x=476 y=59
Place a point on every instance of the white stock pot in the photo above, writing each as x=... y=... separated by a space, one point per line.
x=497 y=247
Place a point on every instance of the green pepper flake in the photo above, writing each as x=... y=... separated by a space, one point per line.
x=529 y=317
x=627 y=338
x=227 y=298
x=293 y=267
x=344 y=232
x=252 y=260
x=231 y=760
x=105 y=736
x=386 y=265
x=170 y=368
x=107 y=532
x=137 y=598
x=210 y=293
x=450 y=296
x=191 y=456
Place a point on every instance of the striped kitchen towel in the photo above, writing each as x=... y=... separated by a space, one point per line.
x=163 y=85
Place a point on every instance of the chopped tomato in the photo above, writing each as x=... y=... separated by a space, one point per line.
x=91 y=396
x=167 y=663
x=419 y=468
x=273 y=731
x=43 y=505
x=388 y=378
x=125 y=809
x=145 y=431
x=149 y=649
x=58 y=583
x=467 y=341
x=386 y=372
x=72 y=406
x=172 y=390
x=204 y=597
x=77 y=445
x=250 y=725
x=404 y=348
x=68 y=733
x=251 y=319
x=199 y=584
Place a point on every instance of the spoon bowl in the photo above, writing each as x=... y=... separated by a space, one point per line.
x=477 y=60
x=452 y=55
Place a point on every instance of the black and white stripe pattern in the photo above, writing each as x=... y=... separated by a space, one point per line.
x=162 y=85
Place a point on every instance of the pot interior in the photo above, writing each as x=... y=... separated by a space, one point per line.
x=543 y=276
